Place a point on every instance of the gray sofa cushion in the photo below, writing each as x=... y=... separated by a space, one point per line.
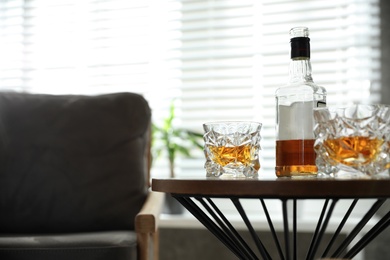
x=72 y=163
x=119 y=245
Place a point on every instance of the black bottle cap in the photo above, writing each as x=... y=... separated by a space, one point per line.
x=300 y=47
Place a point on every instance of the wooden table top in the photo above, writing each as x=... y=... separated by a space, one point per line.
x=310 y=187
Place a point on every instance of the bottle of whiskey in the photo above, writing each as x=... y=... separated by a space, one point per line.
x=295 y=154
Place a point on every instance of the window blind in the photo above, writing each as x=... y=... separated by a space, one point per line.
x=218 y=59
x=235 y=55
x=87 y=47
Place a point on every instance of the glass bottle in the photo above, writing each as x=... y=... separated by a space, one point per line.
x=295 y=155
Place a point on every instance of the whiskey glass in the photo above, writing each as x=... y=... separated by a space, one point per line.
x=353 y=141
x=232 y=149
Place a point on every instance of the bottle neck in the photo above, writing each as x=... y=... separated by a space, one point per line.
x=300 y=70
x=300 y=67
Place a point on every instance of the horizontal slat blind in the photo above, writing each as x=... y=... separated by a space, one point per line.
x=345 y=52
x=218 y=66
x=11 y=44
x=88 y=47
x=92 y=46
x=234 y=75
x=219 y=59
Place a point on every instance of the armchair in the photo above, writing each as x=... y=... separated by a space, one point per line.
x=74 y=178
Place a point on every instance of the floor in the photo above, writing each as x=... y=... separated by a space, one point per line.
x=195 y=244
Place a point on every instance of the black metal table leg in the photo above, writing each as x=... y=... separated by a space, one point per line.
x=339 y=228
x=255 y=237
x=208 y=213
x=286 y=229
x=229 y=230
x=209 y=224
x=272 y=229
x=367 y=238
x=321 y=227
x=358 y=227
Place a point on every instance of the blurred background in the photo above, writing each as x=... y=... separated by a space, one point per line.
x=217 y=59
x=214 y=59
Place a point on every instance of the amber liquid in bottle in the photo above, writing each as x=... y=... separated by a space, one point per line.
x=295 y=155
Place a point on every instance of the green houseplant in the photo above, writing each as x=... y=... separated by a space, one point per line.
x=172 y=142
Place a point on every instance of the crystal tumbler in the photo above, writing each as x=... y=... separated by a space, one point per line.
x=353 y=141
x=232 y=148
